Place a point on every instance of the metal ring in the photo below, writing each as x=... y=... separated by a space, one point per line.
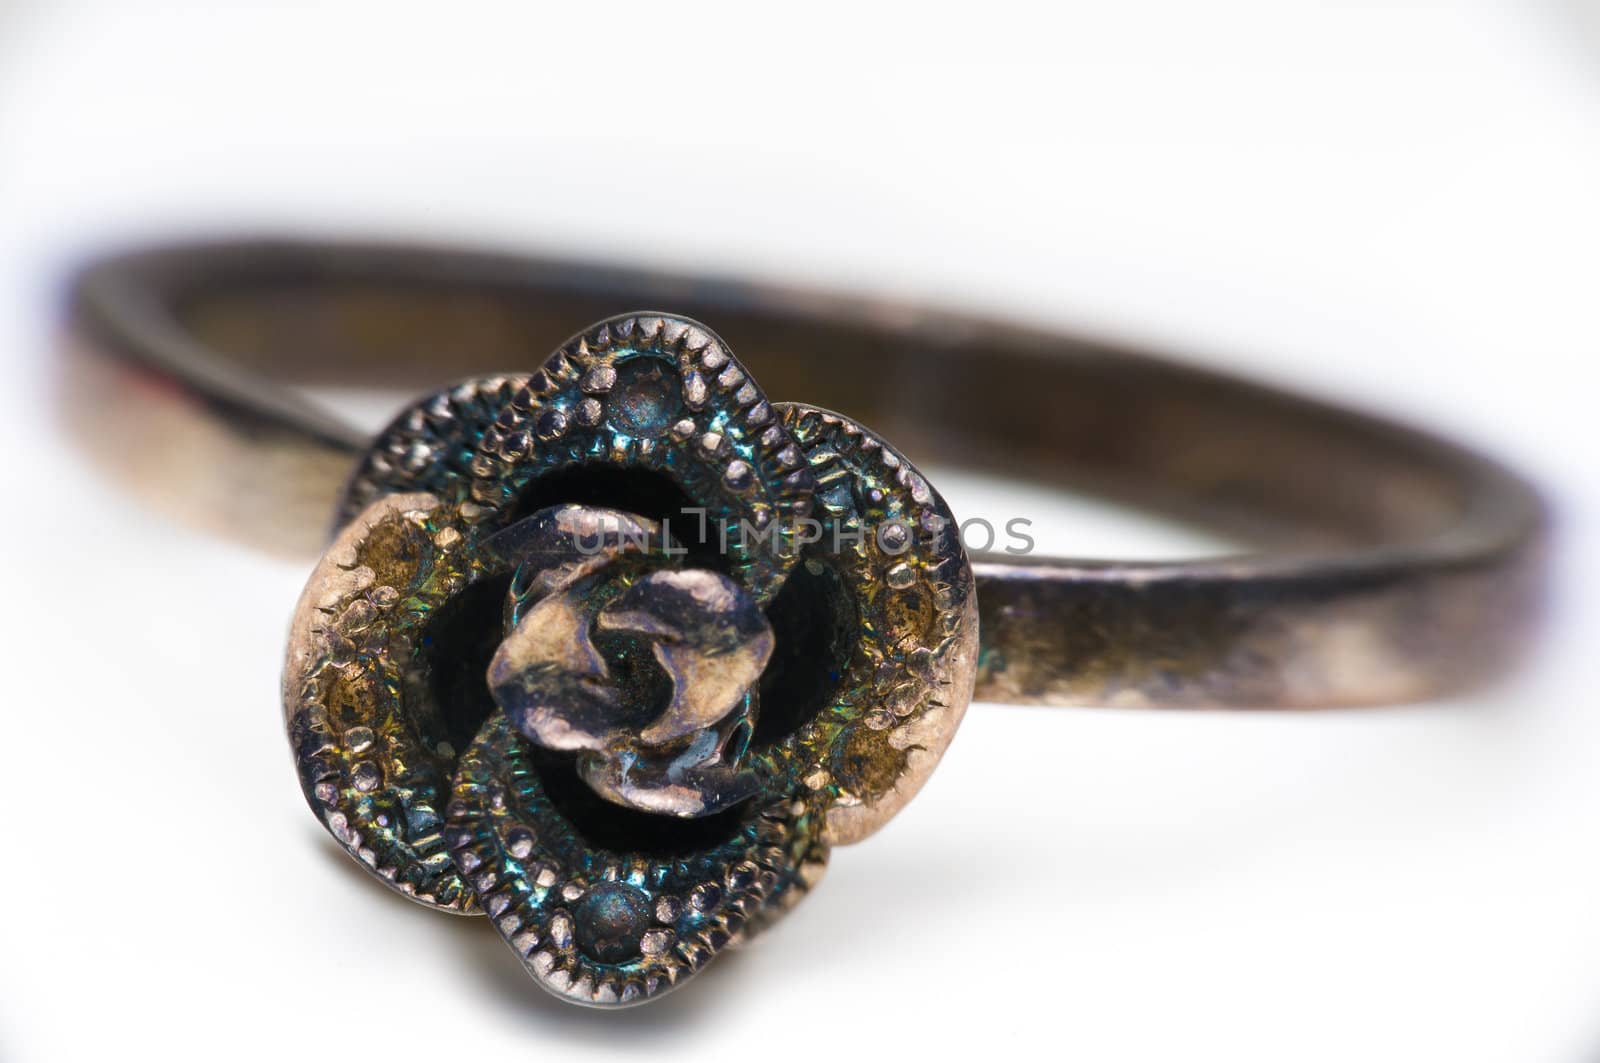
x=614 y=648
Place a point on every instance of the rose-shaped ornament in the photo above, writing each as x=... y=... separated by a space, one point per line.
x=614 y=653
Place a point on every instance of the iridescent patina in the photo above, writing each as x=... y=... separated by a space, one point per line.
x=616 y=652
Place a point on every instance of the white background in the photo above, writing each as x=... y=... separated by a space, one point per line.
x=1391 y=203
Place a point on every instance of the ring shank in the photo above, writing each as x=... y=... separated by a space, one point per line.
x=1393 y=566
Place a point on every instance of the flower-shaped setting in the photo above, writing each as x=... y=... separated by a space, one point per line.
x=615 y=653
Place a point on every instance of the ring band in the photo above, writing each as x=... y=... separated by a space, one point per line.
x=1394 y=566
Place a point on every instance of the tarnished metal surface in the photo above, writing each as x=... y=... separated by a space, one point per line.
x=574 y=670
x=1392 y=565
x=661 y=642
x=374 y=751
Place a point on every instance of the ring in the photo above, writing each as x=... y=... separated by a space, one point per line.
x=613 y=645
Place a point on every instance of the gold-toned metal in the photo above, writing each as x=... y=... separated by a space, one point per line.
x=374 y=753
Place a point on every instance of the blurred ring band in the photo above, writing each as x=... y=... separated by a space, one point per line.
x=1387 y=565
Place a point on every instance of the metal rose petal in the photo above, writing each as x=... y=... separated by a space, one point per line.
x=560 y=545
x=547 y=675
x=703 y=779
x=373 y=753
x=608 y=907
x=661 y=397
x=552 y=683
x=707 y=634
x=889 y=567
